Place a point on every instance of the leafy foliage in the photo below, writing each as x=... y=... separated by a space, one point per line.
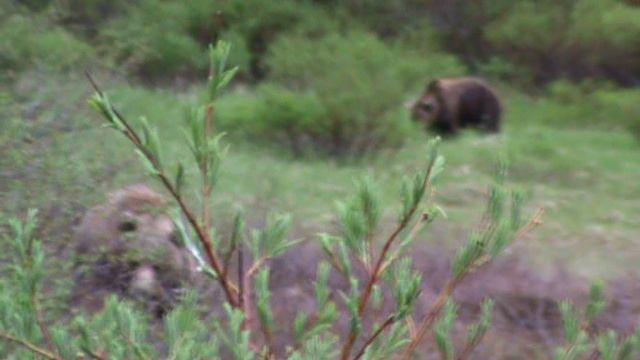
x=356 y=83
x=151 y=47
x=32 y=43
x=371 y=262
x=581 y=340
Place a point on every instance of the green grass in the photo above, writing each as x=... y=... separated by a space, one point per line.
x=587 y=179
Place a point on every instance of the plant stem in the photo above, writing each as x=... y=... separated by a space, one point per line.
x=207 y=187
x=447 y=291
x=390 y=320
x=41 y=323
x=426 y=324
x=249 y=307
x=469 y=347
x=241 y=274
x=375 y=274
x=228 y=287
x=31 y=347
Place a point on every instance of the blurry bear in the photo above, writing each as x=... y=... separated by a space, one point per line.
x=128 y=246
x=450 y=104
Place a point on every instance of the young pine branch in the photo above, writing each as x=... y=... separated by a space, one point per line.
x=147 y=146
x=411 y=206
x=29 y=346
x=471 y=262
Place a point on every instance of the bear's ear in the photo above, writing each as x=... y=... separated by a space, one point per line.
x=432 y=86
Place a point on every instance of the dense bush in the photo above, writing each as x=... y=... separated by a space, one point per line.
x=167 y=38
x=88 y=16
x=576 y=40
x=153 y=40
x=291 y=118
x=359 y=82
x=528 y=35
x=546 y=39
x=587 y=105
x=28 y=42
x=260 y=22
x=595 y=105
x=605 y=36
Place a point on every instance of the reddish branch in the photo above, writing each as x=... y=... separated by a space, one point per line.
x=228 y=287
x=31 y=347
x=390 y=320
x=207 y=188
x=468 y=349
x=380 y=264
x=249 y=308
x=431 y=317
x=41 y=323
x=447 y=291
x=247 y=296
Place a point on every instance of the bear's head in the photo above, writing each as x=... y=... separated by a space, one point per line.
x=427 y=109
x=129 y=245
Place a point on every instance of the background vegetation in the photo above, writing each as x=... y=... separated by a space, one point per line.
x=321 y=98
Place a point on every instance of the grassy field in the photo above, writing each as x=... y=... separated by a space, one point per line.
x=318 y=100
x=59 y=160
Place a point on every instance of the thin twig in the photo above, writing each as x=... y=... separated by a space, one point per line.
x=30 y=346
x=228 y=287
x=94 y=355
x=412 y=233
x=247 y=304
x=375 y=274
x=535 y=221
x=470 y=347
x=249 y=308
x=298 y=344
x=411 y=326
x=335 y=265
x=42 y=324
x=207 y=187
x=447 y=291
x=440 y=302
x=390 y=320
x=227 y=257
x=241 y=275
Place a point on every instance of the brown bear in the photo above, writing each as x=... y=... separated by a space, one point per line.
x=129 y=246
x=450 y=104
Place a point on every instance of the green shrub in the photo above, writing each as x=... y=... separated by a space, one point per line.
x=236 y=113
x=620 y=108
x=35 y=5
x=421 y=36
x=606 y=37
x=205 y=20
x=261 y=22
x=28 y=41
x=575 y=39
x=291 y=118
x=360 y=83
x=88 y=16
x=595 y=105
x=528 y=36
x=385 y=18
x=152 y=40
x=500 y=68
x=241 y=55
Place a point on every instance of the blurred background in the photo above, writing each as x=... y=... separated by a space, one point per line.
x=321 y=98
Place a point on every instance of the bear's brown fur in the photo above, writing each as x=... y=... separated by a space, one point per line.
x=128 y=246
x=450 y=104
